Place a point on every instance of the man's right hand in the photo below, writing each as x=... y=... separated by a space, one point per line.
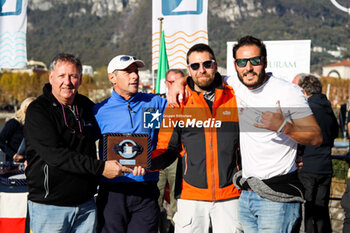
x=113 y=169
x=177 y=93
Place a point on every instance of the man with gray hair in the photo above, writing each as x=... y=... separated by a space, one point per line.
x=297 y=77
x=63 y=171
x=316 y=173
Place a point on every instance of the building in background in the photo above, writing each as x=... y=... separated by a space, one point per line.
x=338 y=70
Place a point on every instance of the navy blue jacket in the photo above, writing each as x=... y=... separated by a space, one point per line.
x=10 y=137
x=317 y=159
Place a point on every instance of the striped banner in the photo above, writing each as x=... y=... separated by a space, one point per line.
x=184 y=25
x=13 y=27
x=13 y=212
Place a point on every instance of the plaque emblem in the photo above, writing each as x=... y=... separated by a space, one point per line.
x=128 y=149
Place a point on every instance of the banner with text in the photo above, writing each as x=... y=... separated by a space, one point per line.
x=285 y=58
x=184 y=25
x=13 y=28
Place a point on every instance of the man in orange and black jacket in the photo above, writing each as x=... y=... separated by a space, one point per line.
x=205 y=132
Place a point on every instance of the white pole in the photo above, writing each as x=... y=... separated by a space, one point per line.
x=328 y=89
x=160 y=35
x=153 y=79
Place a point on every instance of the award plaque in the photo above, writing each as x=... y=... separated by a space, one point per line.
x=129 y=150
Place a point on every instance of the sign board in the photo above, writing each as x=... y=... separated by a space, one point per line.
x=184 y=25
x=13 y=29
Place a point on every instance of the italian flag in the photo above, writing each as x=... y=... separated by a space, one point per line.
x=13 y=212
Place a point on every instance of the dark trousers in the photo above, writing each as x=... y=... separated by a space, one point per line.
x=345 y=203
x=317 y=191
x=128 y=208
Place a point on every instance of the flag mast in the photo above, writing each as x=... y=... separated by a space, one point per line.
x=160 y=38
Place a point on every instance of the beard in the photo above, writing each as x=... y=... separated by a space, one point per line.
x=258 y=83
x=207 y=84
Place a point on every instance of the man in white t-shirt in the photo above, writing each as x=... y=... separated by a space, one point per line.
x=273 y=116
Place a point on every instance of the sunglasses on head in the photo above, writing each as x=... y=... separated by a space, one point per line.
x=127 y=58
x=206 y=65
x=253 y=60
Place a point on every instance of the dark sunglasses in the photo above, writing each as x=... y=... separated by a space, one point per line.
x=253 y=60
x=206 y=65
x=127 y=58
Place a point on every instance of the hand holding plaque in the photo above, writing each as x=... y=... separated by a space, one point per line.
x=129 y=150
x=113 y=169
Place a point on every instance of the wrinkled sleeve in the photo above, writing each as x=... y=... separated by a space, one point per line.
x=169 y=142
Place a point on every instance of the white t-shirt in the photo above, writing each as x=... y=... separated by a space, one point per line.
x=266 y=153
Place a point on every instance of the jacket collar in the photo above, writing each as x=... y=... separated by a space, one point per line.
x=117 y=97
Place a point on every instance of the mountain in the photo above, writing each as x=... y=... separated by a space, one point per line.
x=97 y=30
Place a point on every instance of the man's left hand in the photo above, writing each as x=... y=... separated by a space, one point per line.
x=270 y=120
x=138 y=171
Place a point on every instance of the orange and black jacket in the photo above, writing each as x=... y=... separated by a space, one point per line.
x=206 y=135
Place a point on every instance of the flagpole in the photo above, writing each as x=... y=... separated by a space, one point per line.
x=160 y=33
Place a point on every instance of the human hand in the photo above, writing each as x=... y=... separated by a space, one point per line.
x=138 y=171
x=18 y=158
x=113 y=169
x=270 y=120
x=299 y=163
x=177 y=93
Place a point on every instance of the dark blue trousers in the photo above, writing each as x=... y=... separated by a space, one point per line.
x=128 y=208
x=317 y=192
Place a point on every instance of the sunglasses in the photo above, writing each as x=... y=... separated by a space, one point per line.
x=253 y=60
x=127 y=58
x=206 y=65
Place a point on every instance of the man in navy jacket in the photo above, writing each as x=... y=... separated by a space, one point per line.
x=316 y=173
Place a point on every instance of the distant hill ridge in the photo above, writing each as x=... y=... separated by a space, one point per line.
x=97 y=30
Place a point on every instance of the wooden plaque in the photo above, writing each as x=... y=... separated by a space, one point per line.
x=129 y=150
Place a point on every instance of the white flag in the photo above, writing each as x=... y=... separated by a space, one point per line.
x=13 y=28
x=184 y=25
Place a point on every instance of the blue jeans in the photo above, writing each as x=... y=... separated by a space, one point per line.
x=259 y=215
x=55 y=219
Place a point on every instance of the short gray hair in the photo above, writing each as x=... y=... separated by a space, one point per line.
x=66 y=57
x=311 y=84
x=176 y=71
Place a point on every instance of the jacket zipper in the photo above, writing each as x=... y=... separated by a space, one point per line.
x=46 y=180
x=211 y=147
x=185 y=172
x=130 y=111
x=212 y=163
